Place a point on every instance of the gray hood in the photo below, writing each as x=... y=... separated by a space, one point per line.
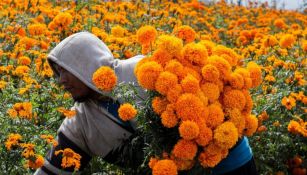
x=83 y=53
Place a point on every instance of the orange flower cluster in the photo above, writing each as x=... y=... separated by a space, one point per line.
x=23 y=110
x=61 y=21
x=298 y=127
x=70 y=158
x=127 y=112
x=204 y=91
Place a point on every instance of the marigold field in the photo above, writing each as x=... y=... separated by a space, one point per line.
x=258 y=51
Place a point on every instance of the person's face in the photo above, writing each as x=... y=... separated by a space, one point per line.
x=79 y=91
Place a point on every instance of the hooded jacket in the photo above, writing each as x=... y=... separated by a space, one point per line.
x=93 y=131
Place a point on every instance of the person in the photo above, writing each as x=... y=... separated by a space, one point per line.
x=96 y=129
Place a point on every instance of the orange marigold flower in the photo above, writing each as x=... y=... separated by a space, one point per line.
x=221 y=64
x=118 y=31
x=148 y=74
x=235 y=116
x=211 y=91
x=234 y=99
x=174 y=93
x=236 y=81
x=169 y=118
x=12 y=140
x=186 y=33
x=189 y=107
x=159 y=104
x=251 y=125
x=289 y=103
x=146 y=35
x=37 y=29
x=249 y=102
x=127 y=112
x=211 y=156
x=209 y=46
x=226 y=135
x=24 y=60
x=166 y=81
x=39 y=162
x=161 y=56
x=165 y=167
x=215 y=117
x=67 y=113
x=176 y=68
x=210 y=73
x=228 y=54
x=104 y=78
x=205 y=136
x=185 y=149
x=152 y=162
x=171 y=44
x=183 y=164
x=304 y=45
x=269 y=41
x=49 y=139
x=69 y=158
x=61 y=21
x=280 y=23
x=195 y=54
x=28 y=149
x=188 y=130
x=190 y=84
x=21 y=70
x=287 y=41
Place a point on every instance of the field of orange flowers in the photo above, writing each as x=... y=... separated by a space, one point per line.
x=270 y=44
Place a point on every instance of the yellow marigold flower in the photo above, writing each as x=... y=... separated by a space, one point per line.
x=166 y=81
x=161 y=56
x=211 y=156
x=210 y=73
x=269 y=41
x=39 y=162
x=127 y=112
x=148 y=74
x=37 y=29
x=236 y=80
x=104 y=78
x=165 y=167
x=255 y=73
x=12 y=140
x=152 y=162
x=215 y=117
x=190 y=84
x=175 y=67
x=251 y=125
x=49 y=139
x=169 y=118
x=159 y=104
x=211 y=91
x=188 y=130
x=185 y=149
x=234 y=99
x=2 y=84
x=69 y=158
x=146 y=35
x=287 y=41
x=67 y=113
x=189 y=107
x=226 y=135
x=174 y=93
x=228 y=54
x=221 y=64
x=171 y=44
x=280 y=23
x=209 y=46
x=270 y=78
x=186 y=33
x=195 y=54
x=28 y=149
x=118 y=31
x=205 y=135
x=21 y=70
x=24 y=60
x=289 y=103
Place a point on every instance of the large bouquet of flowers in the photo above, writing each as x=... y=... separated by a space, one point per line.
x=199 y=103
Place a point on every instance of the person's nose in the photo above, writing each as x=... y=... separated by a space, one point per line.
x=63 y=78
